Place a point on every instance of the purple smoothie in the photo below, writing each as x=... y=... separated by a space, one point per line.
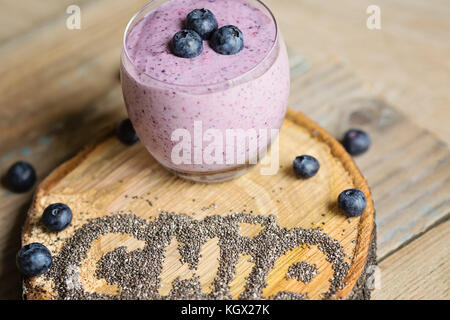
x=163 y=92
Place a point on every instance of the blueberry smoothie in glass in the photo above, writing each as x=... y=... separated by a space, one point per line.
x=204 y=68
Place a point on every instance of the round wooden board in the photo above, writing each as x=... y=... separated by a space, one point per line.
x=121 y=198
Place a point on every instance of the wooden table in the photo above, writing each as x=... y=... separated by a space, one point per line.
x=59 y=88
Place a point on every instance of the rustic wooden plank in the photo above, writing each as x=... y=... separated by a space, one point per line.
x=75 y=65
x=408 y=168
x=406 y=61
x=20 y=17
x=420 y=270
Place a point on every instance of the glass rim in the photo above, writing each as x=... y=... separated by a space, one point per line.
x=239 y=77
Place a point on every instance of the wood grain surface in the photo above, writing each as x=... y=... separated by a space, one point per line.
x=406 y=61
x=110 y=178
x=59 y=90
x=420 y=270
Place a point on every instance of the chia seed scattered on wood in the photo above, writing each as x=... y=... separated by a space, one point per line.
x=211 y=206
x=286 y=295
x=137 y=273
x=302 y=271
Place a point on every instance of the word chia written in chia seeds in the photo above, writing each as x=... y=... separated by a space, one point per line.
x=137 y=273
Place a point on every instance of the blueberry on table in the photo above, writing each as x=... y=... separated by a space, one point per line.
x=187 y=44
x=203 y=22
x=356 y=142
x=57 y=217
x=126 y=133
x=306 y=166
x=227 y=40
x=353 y=202
x=21 y=177
x=34 y=259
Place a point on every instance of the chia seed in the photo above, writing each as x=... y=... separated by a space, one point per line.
x=302 y=271
x=286 y=295
x=137 y=273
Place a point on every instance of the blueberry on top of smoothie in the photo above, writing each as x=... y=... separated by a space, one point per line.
x=126 y=133
x=353 y=202
x=20 y=177
x=57 y=217
x=187 y=44
x=306 y=166
x=34 y=259
x=203 y=22
x=227 y=40
x=356 y=142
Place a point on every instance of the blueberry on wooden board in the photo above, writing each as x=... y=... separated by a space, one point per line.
x=356 y=142
x=34 y=259
x=57 y=217
x=203 y=22
x=306 y=166
x=21 y=177
x=352 y=202
x=126 y=133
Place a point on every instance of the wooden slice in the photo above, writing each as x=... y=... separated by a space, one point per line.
x=138 y=232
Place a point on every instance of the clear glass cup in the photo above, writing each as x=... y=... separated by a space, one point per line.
x=211 y=116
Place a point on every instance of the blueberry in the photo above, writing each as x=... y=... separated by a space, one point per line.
x=227 y=40
x=57 y=217
x=203 y=22
x=34 y=259
x=306 y=166
x=126 y=133
x=20 y=177
x=356 y=142
x=187 y=44
x=352 y=202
